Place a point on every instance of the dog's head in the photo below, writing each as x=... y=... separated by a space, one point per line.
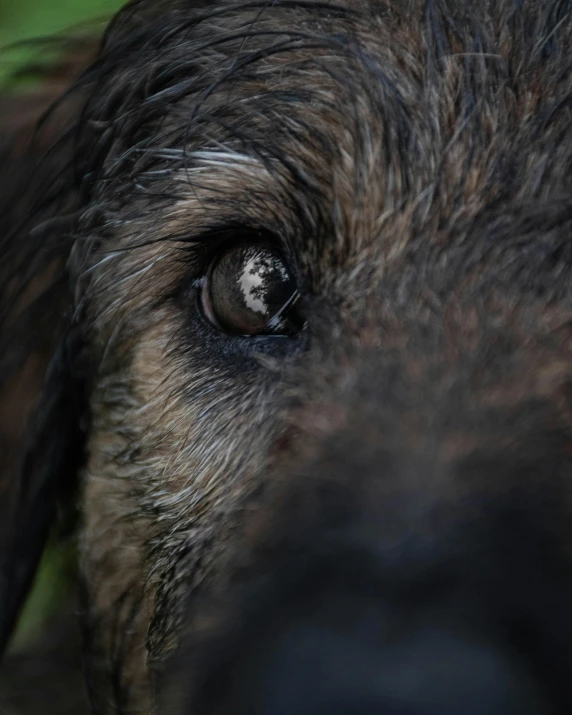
x=307 y=269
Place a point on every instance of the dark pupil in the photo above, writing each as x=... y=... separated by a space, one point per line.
x=248 y=287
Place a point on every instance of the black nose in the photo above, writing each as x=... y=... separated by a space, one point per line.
x=310 y=671
x=356 y=664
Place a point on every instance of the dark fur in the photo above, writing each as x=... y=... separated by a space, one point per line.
x=410 y=449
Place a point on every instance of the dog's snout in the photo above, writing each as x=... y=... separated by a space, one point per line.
x=432 y=672
x=380 y=602
x=353 y=666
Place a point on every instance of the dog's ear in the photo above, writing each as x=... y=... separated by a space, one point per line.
x=42 y=381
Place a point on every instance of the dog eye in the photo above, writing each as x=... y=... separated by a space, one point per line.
x=249 y=290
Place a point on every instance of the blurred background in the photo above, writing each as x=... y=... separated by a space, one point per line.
x=42 y=671
x=24 y=20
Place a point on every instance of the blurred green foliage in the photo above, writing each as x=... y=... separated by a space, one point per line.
x=24 y=20
x=50 y=594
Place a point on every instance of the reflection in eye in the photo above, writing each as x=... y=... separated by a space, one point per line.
x=250 y=291
x=256 y=275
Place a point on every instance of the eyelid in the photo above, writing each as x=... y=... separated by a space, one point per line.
x=213 y=241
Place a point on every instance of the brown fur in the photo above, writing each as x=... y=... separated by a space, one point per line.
x=413 y=160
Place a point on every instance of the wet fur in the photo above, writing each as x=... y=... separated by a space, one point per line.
x=413 y=160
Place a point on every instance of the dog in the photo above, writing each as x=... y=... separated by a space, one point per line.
x=298 y=280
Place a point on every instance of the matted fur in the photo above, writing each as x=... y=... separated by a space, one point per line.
x=413 y=162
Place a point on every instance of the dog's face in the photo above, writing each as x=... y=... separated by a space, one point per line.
x=322 y=284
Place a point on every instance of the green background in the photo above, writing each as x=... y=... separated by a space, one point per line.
x=24 y=20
